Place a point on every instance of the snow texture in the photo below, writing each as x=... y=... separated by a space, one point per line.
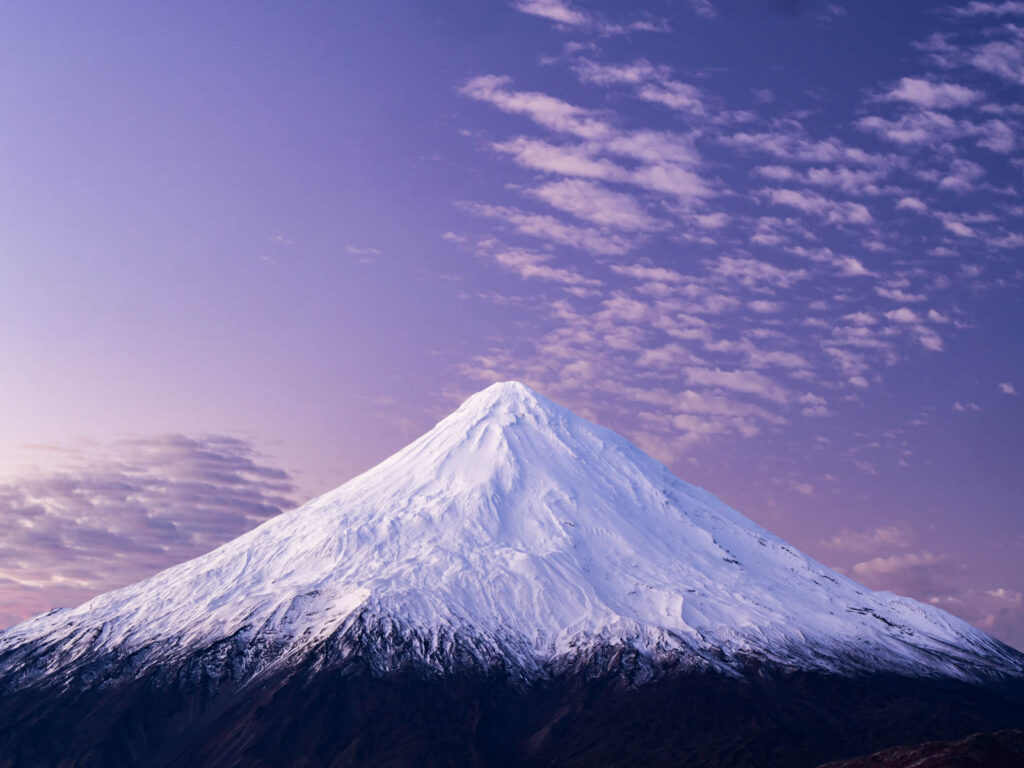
x=513 y=532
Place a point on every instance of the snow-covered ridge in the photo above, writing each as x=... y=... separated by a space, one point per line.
x=524 y=533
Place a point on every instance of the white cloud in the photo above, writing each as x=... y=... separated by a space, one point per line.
x=916 y=128
x=754 y=273
x=962 y=176
x=649 y=82
x=903 y=315
x=861 y=318
x=675 y=180
x=811 y=202
x=711 y=220
x=554 y=10
x=362 y=251
x=958 y=228
x=1002 y=58
x=545 y=110
x=928 y=127
x=898 y=294
x=634 y=73
x=704 y=8
x=795 y=146
x=777 y=172
x=111 y=514
x=976 y=8
x=870 y=541
x=1007 y=388
x=555 y=230
x=848 y=266
x=814 y=405
x=648 y=274
x=718 y=325
x=747 y=382
x=595 y=203
x=572 y=160
x=666 y=160
x=764 y=307
x=911 y=204
x=871 y=570
x=929 y=95
x=533 y=266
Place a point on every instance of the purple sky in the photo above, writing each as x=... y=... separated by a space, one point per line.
x=247 y=250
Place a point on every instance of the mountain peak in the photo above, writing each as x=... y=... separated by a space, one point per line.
x=507 y=397
x=505 y=390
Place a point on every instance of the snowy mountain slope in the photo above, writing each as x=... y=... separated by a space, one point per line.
x=513 y=534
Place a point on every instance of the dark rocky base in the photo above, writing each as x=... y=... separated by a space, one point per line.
x=1004 y=749
x=331 y=718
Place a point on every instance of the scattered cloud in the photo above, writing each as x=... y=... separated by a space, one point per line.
x=705 y=9
x=811 y=202
x=911 y=204
x=659 y=161
x=747 y=382
x=112 y=514
x=362 y=251
x=880 y=568
x=1006 y=8
x=568 y=17
x=553 y=10
x=543 y=227
x=929 y=95
x=597 y=204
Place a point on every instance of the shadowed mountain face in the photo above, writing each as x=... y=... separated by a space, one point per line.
x=311 y=717
x=1004 y=749
x=518 y=586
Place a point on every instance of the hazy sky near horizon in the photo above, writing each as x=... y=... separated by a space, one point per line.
x=247 y=250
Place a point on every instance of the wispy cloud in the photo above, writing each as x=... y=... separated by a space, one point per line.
x=664 y=162
x=650 y=83
x=794 y=295
x=597 y=204
x=569 y=17
x=931 y=95
x=112 y=514
x=836 y=212
x=544 y=227
x=553 y=10
x=1006 y=8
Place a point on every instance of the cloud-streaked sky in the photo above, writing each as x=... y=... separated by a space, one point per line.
x=778 y=245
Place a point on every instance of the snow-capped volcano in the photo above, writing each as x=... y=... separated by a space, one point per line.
x=517 y=535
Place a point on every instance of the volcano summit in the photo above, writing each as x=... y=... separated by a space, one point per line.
x=517 y=586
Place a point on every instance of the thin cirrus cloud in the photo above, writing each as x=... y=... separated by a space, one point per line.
x=929 y=95
x=596 y=204
x=930 y=128
x=553 y=10
x=999 y=51
x=977 y=8
x=555 y=230
x=650 y=83
x=835 y=212
x=114 y=514
x=664 y=161
x=569 y=17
